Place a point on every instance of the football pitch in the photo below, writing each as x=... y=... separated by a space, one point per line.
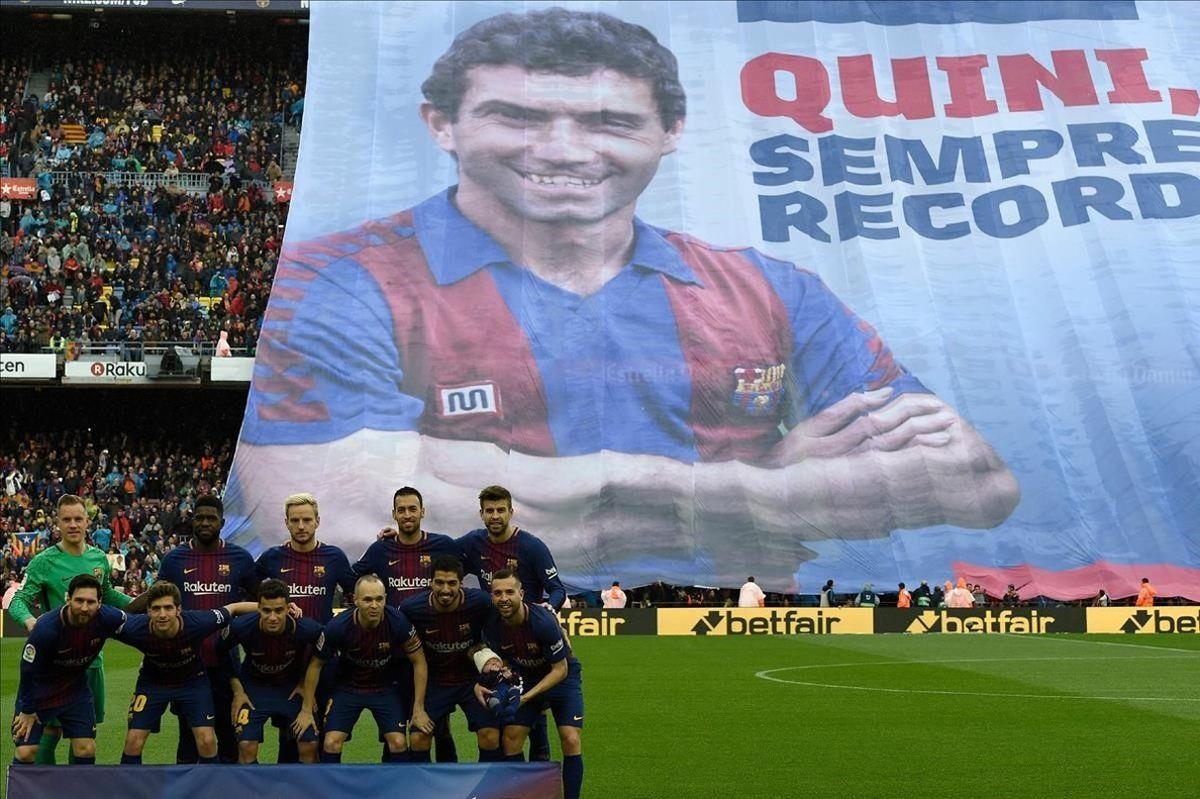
x=844 y=716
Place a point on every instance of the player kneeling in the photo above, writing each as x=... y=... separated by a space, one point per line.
x=269 y=683
x=376 y=643
x=172 y=672
x=532 y=642
x=54 y=664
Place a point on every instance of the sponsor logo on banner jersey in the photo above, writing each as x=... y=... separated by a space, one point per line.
x=759 y=389
x=468 y=400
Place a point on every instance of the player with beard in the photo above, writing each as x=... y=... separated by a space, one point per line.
x=449 y=620
x=268 y=683
x=46 y=577
x=54 y=667
x=311 y=570
x=501 y=545
x=210 y=573
x=402 y=558
x=530 y=640
x=372 y=642
x=173 y=672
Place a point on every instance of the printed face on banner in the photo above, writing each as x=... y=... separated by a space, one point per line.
x=554 y=148
x=898 y=283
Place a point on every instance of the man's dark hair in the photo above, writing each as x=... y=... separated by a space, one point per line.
x=495 y=494
x=505 y=574
x=448 y=563
x=210 y=501
x=83 y=581
x=405 y=491
x=560 y=42
x=902 y=585
x=161 y=589
x=274 y=589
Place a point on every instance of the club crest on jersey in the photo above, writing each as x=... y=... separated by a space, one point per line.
x=384 y=646
x=98 y=573
x=759 y=389
x=319 y=570
x=223 y=569
x=511 y=564
x=464 y=629
x=468 y=400
x=426 y=561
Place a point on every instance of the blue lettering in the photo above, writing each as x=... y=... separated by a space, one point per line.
x=1168 y=145
x=853 y=216
x=1013 y=154
x=774 y=154
x=918 y=215
x=1031 y=211
x=836 y=161
x=1118 y=142
x=1152 y=202
x=1075 y=196
x=777 y=219
x=904 y=154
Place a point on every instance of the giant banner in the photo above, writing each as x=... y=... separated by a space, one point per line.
x=851 y=290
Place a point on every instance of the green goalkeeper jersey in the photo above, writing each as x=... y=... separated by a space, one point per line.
x=49 y=574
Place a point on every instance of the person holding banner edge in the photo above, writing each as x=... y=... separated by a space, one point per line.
x=736 y=392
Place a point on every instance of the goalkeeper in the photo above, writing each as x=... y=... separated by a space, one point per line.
x=46 y=581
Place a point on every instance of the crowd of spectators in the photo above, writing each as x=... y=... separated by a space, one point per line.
x=94 y=260
x=139 y=492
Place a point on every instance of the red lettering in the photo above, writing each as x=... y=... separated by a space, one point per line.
x=1128 y=77
x=812 y=90
x=860 y=91
x=1023 y=77
x=968 y=95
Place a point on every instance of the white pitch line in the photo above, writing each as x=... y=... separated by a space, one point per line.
x=765 y=674
x=1054 y=639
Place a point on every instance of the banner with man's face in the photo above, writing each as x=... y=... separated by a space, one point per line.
x=854 y=290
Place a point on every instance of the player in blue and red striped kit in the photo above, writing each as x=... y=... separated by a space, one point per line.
x=312 y=571
x=449 y=620
x=268 y=681
x=173 y=672
x=500 y=544
x=529 y=639
x=371 y=642
x=54 y=664
x=210 y=573
x=402 y=558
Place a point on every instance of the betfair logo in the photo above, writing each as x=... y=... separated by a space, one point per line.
x=1156 y=621
x=776 y=622
x=1004 y=621
x=578 y=624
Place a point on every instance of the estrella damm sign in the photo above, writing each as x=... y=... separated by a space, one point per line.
x=1183 y=619
x=764 y=621
x=980 y=620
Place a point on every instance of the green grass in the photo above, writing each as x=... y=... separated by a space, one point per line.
x=688 y=717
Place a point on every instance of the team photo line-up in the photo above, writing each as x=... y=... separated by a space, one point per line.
x=415 y=644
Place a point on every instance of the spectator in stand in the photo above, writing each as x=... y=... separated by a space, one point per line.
x=960 y=595
x=922 y=597
x=116 y=564
x=1011 y=598
x=938 y=597
x=751 y=595
x=903 y=597
x=867 y=598
x=1101 y=600
x=613 y=597
x=826 y=600
x=1146 y=594
x=978 y=595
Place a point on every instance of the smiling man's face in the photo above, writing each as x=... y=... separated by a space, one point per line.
x=554 y=148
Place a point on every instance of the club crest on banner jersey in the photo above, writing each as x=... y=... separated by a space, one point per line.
x=759 y=389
